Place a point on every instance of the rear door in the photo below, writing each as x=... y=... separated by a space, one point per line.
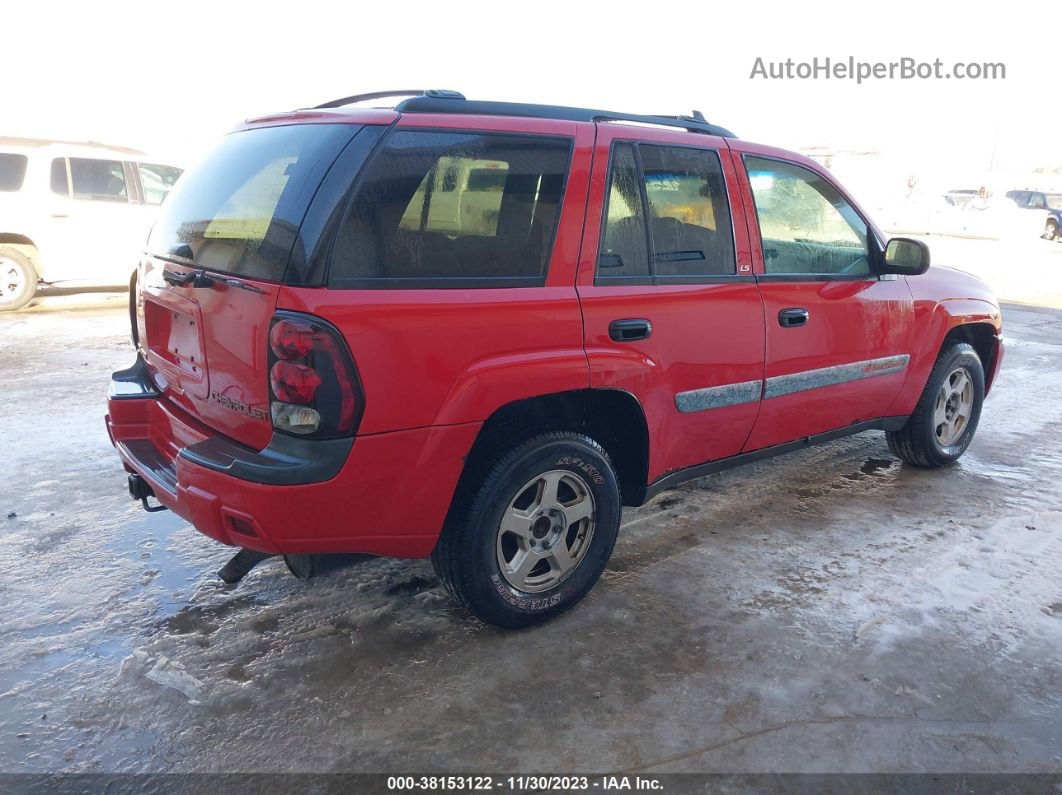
x=95 y=233
x=217 y=256
x=838 y=335
x=670 y=304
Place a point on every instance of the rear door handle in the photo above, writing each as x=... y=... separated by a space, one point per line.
x=796 y=316
x=629 y=329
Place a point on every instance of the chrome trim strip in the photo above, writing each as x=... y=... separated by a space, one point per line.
x=717 y=397
x=780 y=385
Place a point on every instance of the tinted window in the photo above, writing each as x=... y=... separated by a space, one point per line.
x=240 y=209
x=682 y=193
x=689 y=219
x=157 y=181
x=12 y=171
x=98 y=179
x=448 y=207
x=624 y=249
x=807 y=226
x=60 y=183
x=1036 y=200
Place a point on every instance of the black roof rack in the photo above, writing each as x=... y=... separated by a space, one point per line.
x=453 y=102
x=416 y=92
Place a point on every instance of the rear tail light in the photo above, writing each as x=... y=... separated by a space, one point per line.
x=313 y=383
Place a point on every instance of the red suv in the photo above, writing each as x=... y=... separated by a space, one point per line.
x=474 y=330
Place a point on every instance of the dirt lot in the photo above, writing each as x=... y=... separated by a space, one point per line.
x=827 y=611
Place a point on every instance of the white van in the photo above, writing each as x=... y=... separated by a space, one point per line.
x=73 y=215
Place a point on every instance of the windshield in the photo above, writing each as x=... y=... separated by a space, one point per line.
x=240 y=210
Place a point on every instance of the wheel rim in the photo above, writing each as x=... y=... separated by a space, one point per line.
x=951 y=413
x=545 y=531
x=12 y=279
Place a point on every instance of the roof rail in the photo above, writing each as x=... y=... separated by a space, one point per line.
x=441 y=93
x=432 y=102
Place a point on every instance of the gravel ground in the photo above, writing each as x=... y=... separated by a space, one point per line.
x=826 y=611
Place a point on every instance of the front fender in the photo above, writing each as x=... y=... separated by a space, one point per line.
x=935 y=320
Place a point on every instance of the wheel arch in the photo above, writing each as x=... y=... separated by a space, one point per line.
x=25 y=246
x=983 y=337
x=612 y=417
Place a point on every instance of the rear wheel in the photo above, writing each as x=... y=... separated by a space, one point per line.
x=536 y=535
x=18 y=279
x=946 y=417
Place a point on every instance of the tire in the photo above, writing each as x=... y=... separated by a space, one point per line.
x=1051 y=230
x=515 y=575
x=934 y=436
x=18 y=279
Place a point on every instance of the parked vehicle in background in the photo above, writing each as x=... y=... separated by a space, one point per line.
x=1035 y=200
x=74 y=215
x=475 y=330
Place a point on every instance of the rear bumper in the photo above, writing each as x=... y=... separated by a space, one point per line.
x=383 y=494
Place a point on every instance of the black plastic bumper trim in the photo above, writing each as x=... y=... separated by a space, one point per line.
x=133 y=383
x=286 y=460
x=153 y=461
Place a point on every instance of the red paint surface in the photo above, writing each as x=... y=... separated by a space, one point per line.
x=435 y=363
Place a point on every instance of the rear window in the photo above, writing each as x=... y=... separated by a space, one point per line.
x=12 y=171
x=240 y=210
x=453 y=209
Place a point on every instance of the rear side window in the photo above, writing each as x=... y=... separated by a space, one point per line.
x=667 y=216
x=157 y=181
x=624 y=247
x=453 y=209
x=98 y=179
x=12 y=171
x=240 y=210
x=60 y=181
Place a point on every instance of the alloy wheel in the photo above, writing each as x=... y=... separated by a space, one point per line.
x=954 y=404
x=545 y=531
x=12 y=279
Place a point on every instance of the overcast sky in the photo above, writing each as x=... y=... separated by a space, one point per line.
x=172 y=76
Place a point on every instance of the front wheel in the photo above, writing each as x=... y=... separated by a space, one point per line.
x=1051 y=230
x=536 y=535
x=946 y=417
x=18 y=280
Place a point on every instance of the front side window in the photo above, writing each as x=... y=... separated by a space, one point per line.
x=807 y=226
x=98 y=179
x=667 y=216
x=157 y=181
x=1036 y=201
x=12 y=171
x=452 y=209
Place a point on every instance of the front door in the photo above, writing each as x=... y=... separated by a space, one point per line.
x=838 y=335
x=670 y=305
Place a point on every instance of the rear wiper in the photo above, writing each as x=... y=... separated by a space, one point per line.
x=189 y=279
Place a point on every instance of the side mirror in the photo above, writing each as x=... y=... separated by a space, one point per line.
x=906 y=257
